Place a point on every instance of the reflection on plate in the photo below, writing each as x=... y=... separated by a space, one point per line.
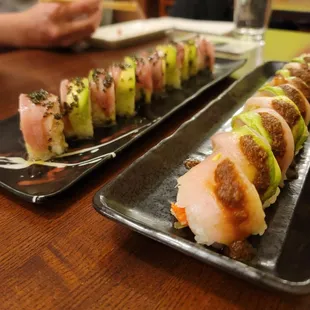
x=36 y=181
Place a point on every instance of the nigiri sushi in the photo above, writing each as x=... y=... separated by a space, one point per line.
x=272 y=126
x=292 y=93
x=102 y=97
x=42 y=125
x=218 y=202
x=285 y=77
x=158 y=66
x=300 y=70
x=173 y=72
x=144 y=81
x=288 y=110
x=125 y=88
x=253 y=155
x=74 y=94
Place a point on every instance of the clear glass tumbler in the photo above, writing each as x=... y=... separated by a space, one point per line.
x=251 y=18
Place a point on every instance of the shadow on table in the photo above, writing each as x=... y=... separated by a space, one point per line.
x=197 y=277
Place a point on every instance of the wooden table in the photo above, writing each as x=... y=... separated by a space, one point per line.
x=63 y=255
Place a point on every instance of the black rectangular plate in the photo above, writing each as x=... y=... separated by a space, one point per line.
x=140 y=198
x=38 y=182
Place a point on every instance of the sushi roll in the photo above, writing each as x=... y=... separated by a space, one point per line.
x=183 y=59
x=74 y=94
x=292 y=93
x=173 y=72
x=205 y=54
x=288 y=110
x=158 y=66
x=102 y=97
x=300 y=70
x=218 y=202
x=303 y=59
x=125 y=88
x=144 y=81
x=42 y=125
x=284 y=77
x=253 y=155
x=272 y=126
x=192 y=57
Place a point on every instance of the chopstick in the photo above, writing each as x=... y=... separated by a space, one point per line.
x=126 y=6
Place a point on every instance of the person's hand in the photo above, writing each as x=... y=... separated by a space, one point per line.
x=59 y=24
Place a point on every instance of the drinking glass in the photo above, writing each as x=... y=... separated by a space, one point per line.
x=251 y=18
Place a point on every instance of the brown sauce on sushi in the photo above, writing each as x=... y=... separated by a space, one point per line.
x=295 y=96
x=298 y=83
x=258 y=157
x=229 y=190
x=303 y=73
x=287 y=111
x=275 y=130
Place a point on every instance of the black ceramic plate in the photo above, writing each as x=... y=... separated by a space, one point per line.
x=37 y=182
x=140 y=198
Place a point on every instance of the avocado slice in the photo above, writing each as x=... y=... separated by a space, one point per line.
x=173 y=73
x=185 y=65
x=79 y=109
x=125 y=91
x=192 y=58
x=274 y=90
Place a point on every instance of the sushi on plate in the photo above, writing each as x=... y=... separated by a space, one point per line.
x=75 y=101
x=288 y=110
x=272 y=126
x=253 y=155
x=218 y=202
x=42 y=125
x=292 y=93
x=102 y=97
x=124 y=77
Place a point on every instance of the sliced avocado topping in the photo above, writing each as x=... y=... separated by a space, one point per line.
x=274 y=90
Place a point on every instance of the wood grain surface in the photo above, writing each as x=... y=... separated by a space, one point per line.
x=64 y=255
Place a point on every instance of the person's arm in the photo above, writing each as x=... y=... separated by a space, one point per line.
x=50 y=24
x=120 y=16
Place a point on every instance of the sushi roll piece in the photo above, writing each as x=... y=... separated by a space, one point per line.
x=42 y=125
x=102 y=97
x=74 y=94
x=125 y=89
x=292 y=93
x=218 y=202
x=284 y=77
x=205 y=54
x=272 y=126
x=173 y=72
x=303 y=59
x=192 y=58
x=158 y=66
x=288 y=110
x=183 y=59
x=144 y=81
x=300 y=70
x=253 y=155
